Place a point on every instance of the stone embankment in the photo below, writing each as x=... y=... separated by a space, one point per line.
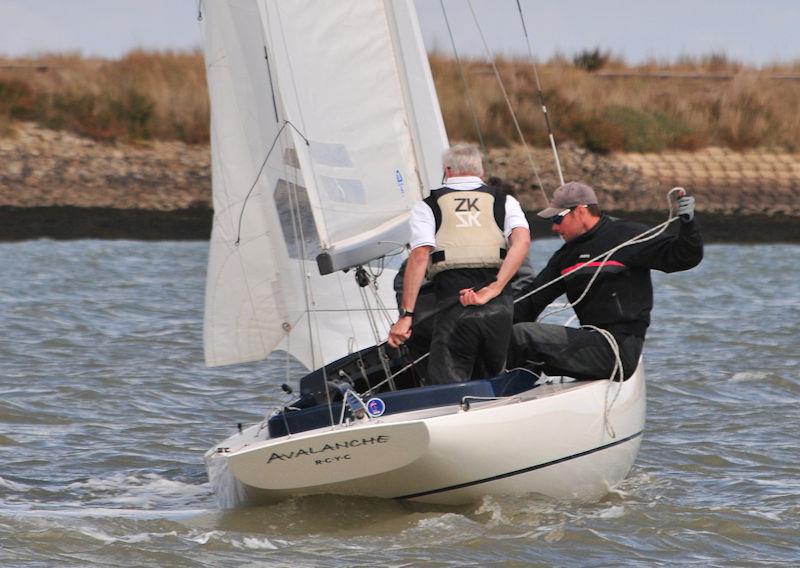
x=59 y=185
x=724 y=182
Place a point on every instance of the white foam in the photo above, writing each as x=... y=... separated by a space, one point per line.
x=749 y=376
x=203 y=538
x=491 y=506
x=99 y=535
x=228 y=490
x=248 y=542
x=149 y=481
x=554 y=533
x=441 y=529
x=13 y=485
x=103 y=512
x=613 y=512
x=129 y=539
x=445 y=521
x=255 y=544
x=147 y=491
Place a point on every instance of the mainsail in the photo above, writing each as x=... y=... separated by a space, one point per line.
x=325 y=131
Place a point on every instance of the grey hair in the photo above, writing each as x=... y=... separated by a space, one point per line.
x=463 y=159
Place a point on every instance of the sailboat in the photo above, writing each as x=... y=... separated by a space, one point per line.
x=325 y=130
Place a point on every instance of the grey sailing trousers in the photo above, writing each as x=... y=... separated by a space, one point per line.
x=566 y=351
x=470 y=342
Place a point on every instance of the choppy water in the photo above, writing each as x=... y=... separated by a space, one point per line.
x=106 y=409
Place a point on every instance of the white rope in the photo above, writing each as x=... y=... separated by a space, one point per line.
x=640 y=238
x=617 y=373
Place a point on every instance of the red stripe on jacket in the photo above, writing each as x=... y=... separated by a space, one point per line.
x=582 y=264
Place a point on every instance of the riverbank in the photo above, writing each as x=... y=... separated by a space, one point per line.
x=59 y=185
x=68 y=222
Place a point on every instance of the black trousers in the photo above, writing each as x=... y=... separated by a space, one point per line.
x=580 y=353
x=470 y=342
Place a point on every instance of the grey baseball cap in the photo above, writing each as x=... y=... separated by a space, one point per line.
x=569 y=195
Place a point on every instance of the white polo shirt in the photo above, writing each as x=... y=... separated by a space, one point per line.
x=423 y=224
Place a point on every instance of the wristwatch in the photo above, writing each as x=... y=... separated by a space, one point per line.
x=404 y=312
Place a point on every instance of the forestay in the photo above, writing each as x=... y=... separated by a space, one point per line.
x=338 y=97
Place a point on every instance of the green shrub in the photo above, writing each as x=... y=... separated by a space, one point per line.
x=647 y=131
x=591 y=60
x=102 y=117
x=134 y=112
x=596 y=133
x=17 y=99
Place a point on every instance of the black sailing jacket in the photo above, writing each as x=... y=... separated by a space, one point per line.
x=621 y=298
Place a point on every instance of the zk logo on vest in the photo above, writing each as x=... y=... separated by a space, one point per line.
x=467 y=212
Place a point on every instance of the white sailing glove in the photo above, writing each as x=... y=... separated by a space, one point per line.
x=686 y=208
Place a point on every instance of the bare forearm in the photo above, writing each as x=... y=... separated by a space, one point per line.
x=520 y=243
x=415 y=272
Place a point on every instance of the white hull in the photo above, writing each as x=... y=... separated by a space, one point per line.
x=555 y=440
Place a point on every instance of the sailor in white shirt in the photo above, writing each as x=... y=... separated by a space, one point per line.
x=461 y=236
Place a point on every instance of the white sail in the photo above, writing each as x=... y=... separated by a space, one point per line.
x=338 y=95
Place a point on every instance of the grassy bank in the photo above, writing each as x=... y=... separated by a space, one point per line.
x=143 y=96
x=600 y=103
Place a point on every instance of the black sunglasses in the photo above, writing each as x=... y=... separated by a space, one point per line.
x=556 y=219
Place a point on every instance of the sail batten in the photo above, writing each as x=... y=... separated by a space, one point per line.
x=339 y=181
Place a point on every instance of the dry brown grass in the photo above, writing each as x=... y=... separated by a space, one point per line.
x=740 y=107
x=144 y=95
x=162 y=95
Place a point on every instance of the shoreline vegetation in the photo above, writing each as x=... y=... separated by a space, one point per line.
x=595 y=100
x=110 y=137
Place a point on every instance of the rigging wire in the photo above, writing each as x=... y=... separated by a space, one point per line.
x=400 y=371
x=491 y=60
x=382 y=309
x=373 y=322
x=541 y=96
x=271 y=86
x=370 y=316
x=261 y=170
x=470 y=101
x=351 y=340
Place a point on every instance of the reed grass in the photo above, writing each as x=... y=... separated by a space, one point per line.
x=162 y=95
x=724 y=104
x=142 y=96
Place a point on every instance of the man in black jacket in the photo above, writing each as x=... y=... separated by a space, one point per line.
x=620 y=298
